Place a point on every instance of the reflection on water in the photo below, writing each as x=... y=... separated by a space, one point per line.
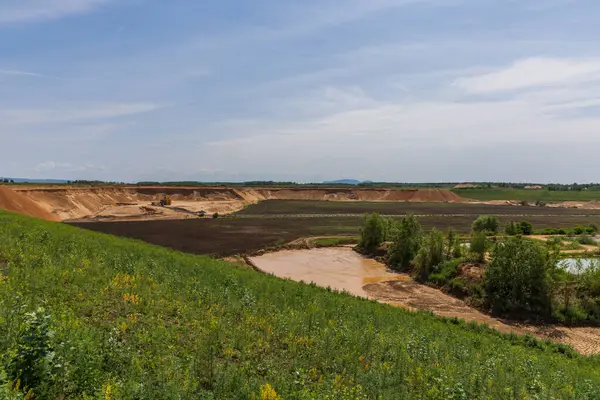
x=339 y=268
x=578 y=265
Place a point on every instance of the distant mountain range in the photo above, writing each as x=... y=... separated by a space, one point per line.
x=343 y=182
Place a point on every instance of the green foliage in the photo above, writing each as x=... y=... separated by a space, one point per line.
x=511 y=229
x=215 y=215
x=573 y=244
x=551 y=231
x=479 y=245
x=334 y=241
x=452 y=244
x=517 y=279
x=29 y=362
x=458 y=250
x=373 y=232
x=445 y=272
x=525 y=228
x=135 y=321
x=519 y=228
x=577 y=295
x=528 y=195
x=406 y=242
x=586 y=240
x=554 y=241
x=486 y=223
x=591 y=229
x=430 y=255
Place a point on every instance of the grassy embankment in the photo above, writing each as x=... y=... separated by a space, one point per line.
x=116 y=318
x=527 y=195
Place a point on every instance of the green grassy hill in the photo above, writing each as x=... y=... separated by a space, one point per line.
x=527 y=195
x=85 y=315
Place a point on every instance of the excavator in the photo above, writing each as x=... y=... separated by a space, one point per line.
x=165 y=201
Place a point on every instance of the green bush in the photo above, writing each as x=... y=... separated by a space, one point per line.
x=445 y=272
x=29 y=364
x=573 y=244
x=525 y=228
x=372 y=233
x=511 y=229
x=406 y=242
x=517 y=278
x=586 y=240
x=554 y=241
x=479 y=244
x=452 y=244
x=486 y=223
x=458 y=287
x=430 y=255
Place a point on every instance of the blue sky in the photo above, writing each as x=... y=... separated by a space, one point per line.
x=303 y=90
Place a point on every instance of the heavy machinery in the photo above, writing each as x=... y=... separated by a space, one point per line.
x=165 y=201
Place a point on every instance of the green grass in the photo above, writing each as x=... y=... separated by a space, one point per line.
x=527 y=194
x=126 y=320
x=334 y=241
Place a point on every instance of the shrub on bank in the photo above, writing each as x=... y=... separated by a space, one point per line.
x=517 y=279
x=373 y=233
x=406 y=243
x=486 y=223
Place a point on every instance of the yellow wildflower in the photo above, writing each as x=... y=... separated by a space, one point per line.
x=268 y=393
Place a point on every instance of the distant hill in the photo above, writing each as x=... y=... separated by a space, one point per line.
x=343 y=182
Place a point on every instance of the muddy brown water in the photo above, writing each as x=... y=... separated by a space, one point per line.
x=340 y=268
x=343 y=269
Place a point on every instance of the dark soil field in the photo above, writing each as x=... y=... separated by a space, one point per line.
x=228 y=236
x=291 y=207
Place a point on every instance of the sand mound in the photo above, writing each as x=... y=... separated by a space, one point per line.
x=15 y=202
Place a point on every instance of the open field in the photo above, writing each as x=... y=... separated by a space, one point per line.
x=527 y=194
x=229 y=236
x=291 y=207
x=130 y=320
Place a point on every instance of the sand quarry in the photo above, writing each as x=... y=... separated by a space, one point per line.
x=122 y=203
x=138 y=203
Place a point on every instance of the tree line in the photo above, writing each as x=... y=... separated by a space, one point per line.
x=521 y=277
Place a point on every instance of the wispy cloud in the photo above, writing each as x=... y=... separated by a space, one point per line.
x=17 y=11
x=15 y=72
x=68 y=114
x=531 y=73
x=50 y=166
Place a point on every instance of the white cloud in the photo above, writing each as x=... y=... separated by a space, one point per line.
x=411 y=130
x=531 y=73
x=15 y=11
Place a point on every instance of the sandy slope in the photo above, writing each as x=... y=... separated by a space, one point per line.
x=16 y=202
x=133 y=202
